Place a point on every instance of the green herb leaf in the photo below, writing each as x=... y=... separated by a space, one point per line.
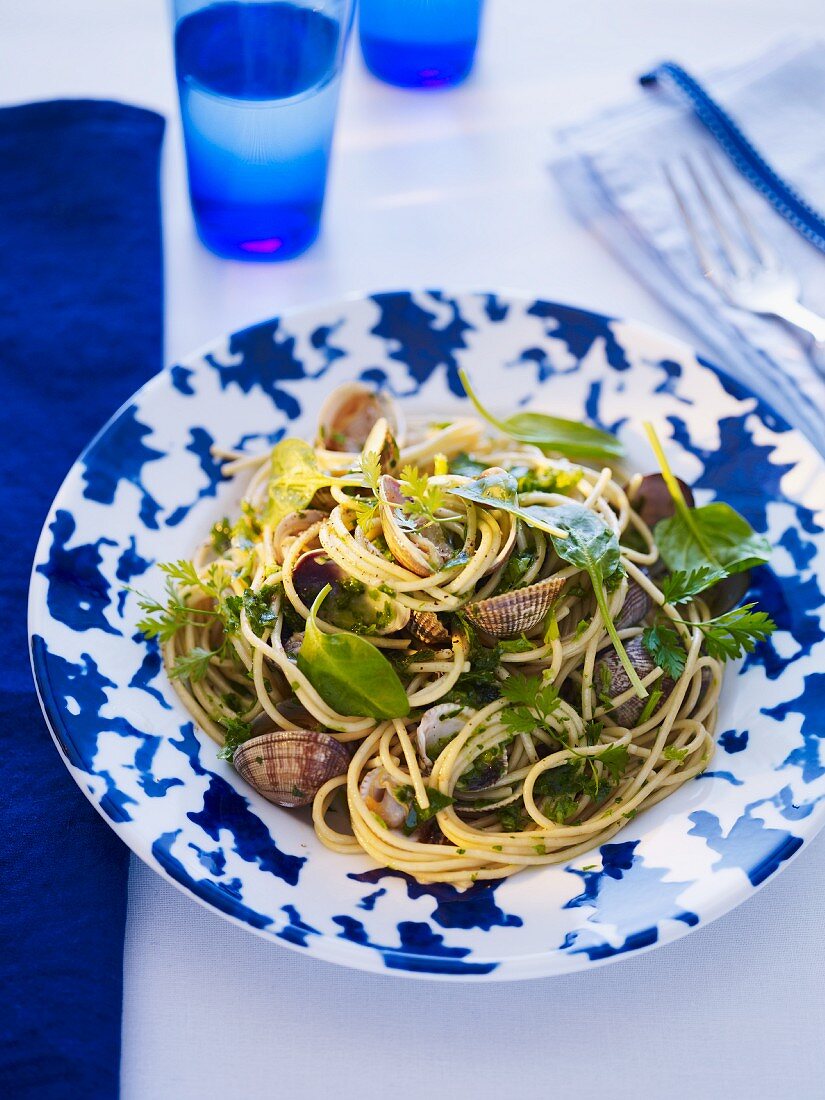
x=592 y=546
x=614 y=759
x=236 y=733
x=682 y=586
x=566 y=437
x=736 y=632
x=350 y=674
x=714 y=537
x=258 y=608
x=422 y=498
x=672 y=753
x=417 y=816
x=194 y=665
x=717 y=539
x=664 y=645
x=466 y=467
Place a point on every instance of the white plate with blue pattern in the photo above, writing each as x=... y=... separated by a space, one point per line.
x=146 y=490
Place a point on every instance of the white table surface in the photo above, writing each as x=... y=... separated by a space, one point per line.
x=443 y=189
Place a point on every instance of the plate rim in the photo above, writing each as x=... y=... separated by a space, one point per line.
x=335 y=949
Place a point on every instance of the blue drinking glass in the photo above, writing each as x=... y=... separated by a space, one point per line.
x=419 y=43
x=258 y=82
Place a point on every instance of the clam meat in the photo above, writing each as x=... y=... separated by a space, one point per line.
x=351 y=604
x=415 y=542
x=349 y=413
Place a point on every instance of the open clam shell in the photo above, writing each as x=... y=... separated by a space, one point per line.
x=383 y=443
x=351 y=604
x=289 y=767
x=419 y=546
x=349 y=413
x=517 y=612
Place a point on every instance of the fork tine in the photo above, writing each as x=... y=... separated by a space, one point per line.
x=703 y=256
x=761 y=249
x=731 y=252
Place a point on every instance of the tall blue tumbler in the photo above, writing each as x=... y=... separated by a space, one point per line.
x=419 y=43
x=258 y=83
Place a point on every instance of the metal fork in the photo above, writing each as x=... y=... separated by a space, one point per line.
x=733 y=256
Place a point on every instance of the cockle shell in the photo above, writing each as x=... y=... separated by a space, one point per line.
x=516 y=612
x=428 y=628
x=608 y=668
x=289 y=767
x=348 y=414
x=419 y=547
x=291 y=526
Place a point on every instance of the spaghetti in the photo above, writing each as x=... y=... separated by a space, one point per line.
x=540 y=708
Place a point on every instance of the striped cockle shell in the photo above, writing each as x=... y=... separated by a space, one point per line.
x=421 y=548
x=289 y=767
x=428 y=628
x=516 y=612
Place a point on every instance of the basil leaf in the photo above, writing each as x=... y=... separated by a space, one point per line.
x=552 y=433
x=349 y=674
x=718 y=535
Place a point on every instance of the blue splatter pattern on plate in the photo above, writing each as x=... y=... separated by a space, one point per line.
x=147 y=490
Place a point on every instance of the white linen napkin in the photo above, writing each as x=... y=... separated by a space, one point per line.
x=611 y=173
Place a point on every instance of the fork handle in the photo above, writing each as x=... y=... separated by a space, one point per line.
x=802 y=317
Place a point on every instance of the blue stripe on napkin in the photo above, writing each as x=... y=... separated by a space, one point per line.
x=753 y=166
x=81 y=326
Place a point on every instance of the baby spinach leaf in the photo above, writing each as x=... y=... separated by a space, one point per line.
x=350 y=674
x=714 y=537
x=501 y=491
x=552 y=433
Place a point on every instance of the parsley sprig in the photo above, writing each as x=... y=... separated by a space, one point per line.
x=423 y=498
x=726 y=637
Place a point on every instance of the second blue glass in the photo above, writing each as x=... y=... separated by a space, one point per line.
x=258 y=83
x=419 y=43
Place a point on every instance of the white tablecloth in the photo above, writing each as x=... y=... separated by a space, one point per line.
x=443 y=189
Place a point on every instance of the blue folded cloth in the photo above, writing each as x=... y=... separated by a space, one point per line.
x=81 y=327
x=611 y=172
